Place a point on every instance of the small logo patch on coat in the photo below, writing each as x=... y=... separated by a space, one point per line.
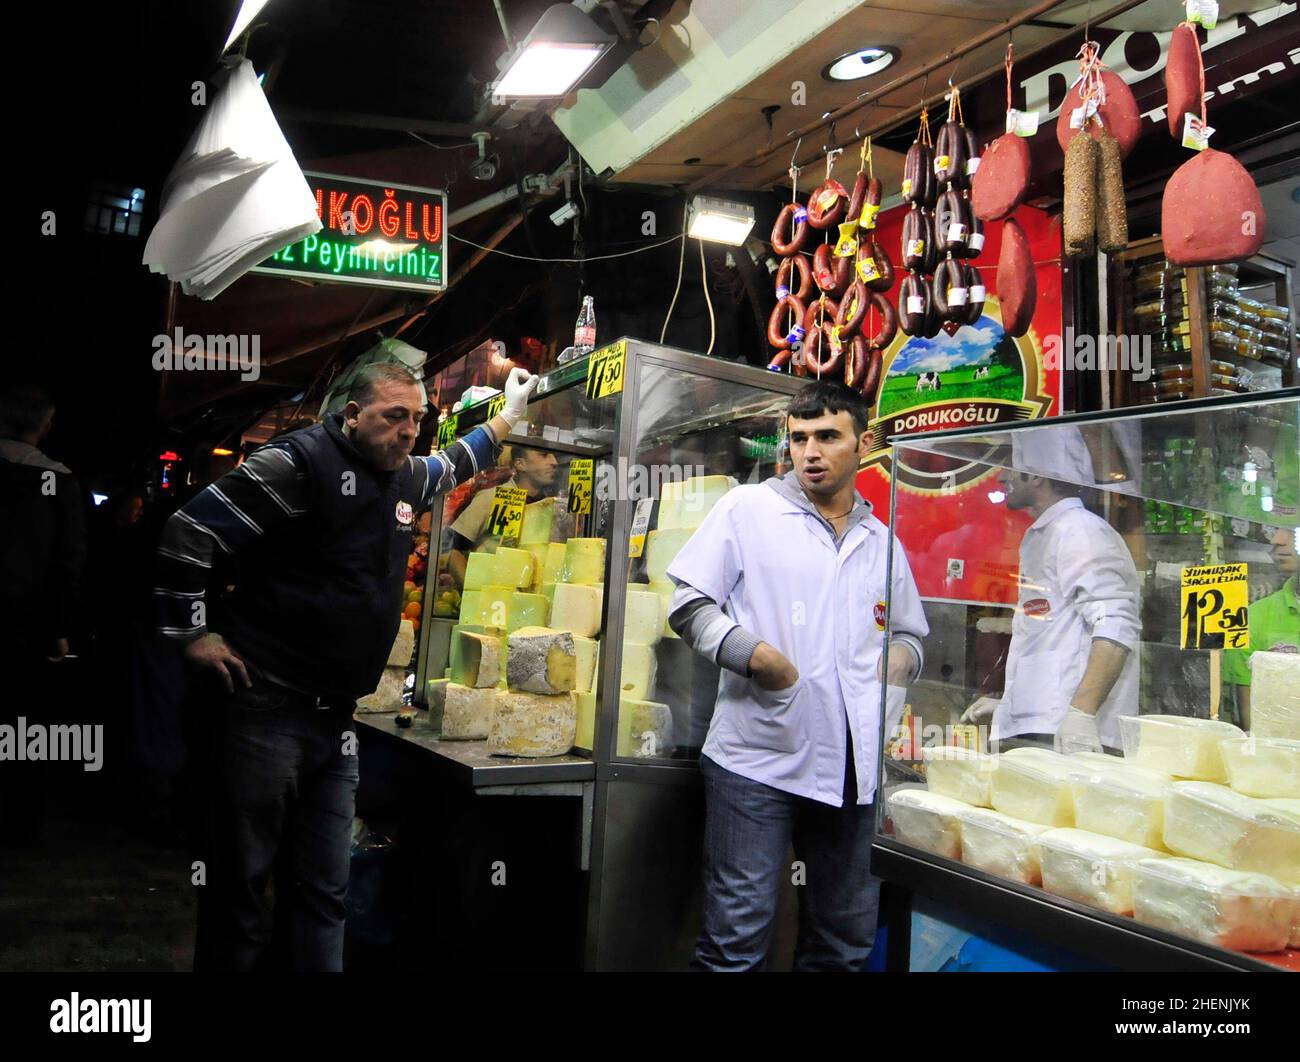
x=1039 y=606
x=879 y=613
x=405 y=514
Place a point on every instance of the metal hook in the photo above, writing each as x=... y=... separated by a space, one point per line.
x=795 y=157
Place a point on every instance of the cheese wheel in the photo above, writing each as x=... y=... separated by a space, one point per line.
x=532 y=725
x=541 y=660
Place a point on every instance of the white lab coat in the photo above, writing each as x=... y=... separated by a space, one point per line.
x=773 y=567
x=1077 y=583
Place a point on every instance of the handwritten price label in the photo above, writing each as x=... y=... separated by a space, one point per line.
x=507 y=516
x=581 y=473
x=447 y=431
x=1214 y=607
x=605 y=370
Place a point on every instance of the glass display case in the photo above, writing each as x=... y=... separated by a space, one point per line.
x=1114 y=762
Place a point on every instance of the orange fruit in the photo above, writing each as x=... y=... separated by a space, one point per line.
x=412 y=611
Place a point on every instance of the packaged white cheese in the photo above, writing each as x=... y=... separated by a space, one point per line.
x=1091 y=868
x=1262 y=767
x=1001 y=845
x=1227 y=908
x=927 y=820
x=1215 y=824
x=962 y=774
x=1121 y=801
x=1034 y=785
x=1275 y=695
x=1177 y=744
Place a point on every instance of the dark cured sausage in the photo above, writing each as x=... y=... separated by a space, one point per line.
x=978 y=292
x=819 y=357
x=1000 y=183
x=1017 y=281
x=874 y=268
x=1119 y=114
x=826 y=206
x=869 y=210
x=918 y=175
x=793 y=216
x=776 y=334
x=975 y=241
x=857 y=198
x=913 y=249
x=871 y=379
x=932 y=251
x=913 y=304
x=1183 y=77
x=948 y=293
x=831 y=273
x=799 y=263
x=1211 y=211
x=950 y=155
x=972 y=155
x=855 y=363
x=853 y=308
x=888 y=323
x=951 y=224
x=827 y=308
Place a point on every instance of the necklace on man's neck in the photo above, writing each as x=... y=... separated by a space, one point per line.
x=842 y=515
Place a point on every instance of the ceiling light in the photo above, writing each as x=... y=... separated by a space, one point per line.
x=720 y=221
x=862 y=63
x=555 y=55
x=248 y=11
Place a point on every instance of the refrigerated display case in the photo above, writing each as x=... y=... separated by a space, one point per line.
x=591 y=560
x=1166 y=832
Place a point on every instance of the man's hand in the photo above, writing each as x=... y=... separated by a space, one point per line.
x=213 y=654
x=901 y=669
x=981 y=711
x=520 y=384
x=60 y=646
x=770 y=668
x=1078 y=733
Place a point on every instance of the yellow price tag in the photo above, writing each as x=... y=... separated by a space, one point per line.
x=507 y=516
x=605 y=370
x=870 y=212
x=581 y=473
x=495 y=405
x=847 y=246
x=868 y=270
x=1214 y=607
x=447 y=430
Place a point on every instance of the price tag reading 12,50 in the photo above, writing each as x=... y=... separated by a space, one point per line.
x=1214 y=607
x=580 y=480
x=605 y=370
x=507 y=516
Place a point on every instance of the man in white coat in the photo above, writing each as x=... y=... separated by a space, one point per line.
x=784 y=586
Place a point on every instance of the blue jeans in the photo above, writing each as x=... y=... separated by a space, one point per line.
x=282 y=796
x=749 y=828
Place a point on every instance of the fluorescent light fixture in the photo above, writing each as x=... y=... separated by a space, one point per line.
x=248 y=11
x=720 y=221
x=99 y=499
x=555 y=55
x=862 y=63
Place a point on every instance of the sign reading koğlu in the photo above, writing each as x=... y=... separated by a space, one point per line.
x=374 y=233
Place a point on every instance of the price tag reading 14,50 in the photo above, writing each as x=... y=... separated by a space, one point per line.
x=1214 y=601
x=507 y=516
x=605 y=370
x=447 y=431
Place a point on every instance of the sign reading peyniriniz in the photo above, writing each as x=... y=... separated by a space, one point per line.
x=374 y=233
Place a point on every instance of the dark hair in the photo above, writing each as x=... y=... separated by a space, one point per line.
x=826 y=396
x=23 y=409
x=362 y=391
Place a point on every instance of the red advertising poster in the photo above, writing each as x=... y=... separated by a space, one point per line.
x=962 y=541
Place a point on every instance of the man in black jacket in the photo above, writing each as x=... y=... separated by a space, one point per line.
x=321 y=521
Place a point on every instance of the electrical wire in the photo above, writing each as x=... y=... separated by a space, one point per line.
x=593 y=258
x=704 y=283
x=441 y=147
x=681 y=268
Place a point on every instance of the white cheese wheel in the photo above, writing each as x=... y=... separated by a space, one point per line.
x=467 y=714
x=643 y=615
x=685 y=503
x=576 y=608
x=531 y=724
x=584 y=561
x=645 y=728
x=661 y=548
x=640 y=668
x=1033 y=785
x=1120 y=801
x=1275 y=695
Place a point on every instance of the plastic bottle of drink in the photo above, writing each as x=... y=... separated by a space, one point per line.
x=584 y=332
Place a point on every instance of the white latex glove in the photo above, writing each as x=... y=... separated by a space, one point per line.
x=520 y=384
x=895 y=701
x=981 y=711
x=1078 y=733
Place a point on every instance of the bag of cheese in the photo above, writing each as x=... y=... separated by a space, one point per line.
x=1177 y=744
x=1275 y=695
x=1034 y=785
x=1001 y=845
x=1262 y=767
x=1215 y=824
x=1121 y=801
x=1090 y=868
x=962 y=774
x=927 y=820
x=1227 y=908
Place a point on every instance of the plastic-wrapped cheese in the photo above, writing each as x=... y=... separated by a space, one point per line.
x=527 y=610
x=1177 y=744
x=531 y=724
x=584 y=561
x=640 y=668
x=514 y=568
x=1275 y=695
x=930 y=821
x=685 y=504
x=1120 y=801
x=1262 y=767
x=1001 y=845
x=661 y=547
x=495 y=604
x=1227 y=908
x=541 y=660
x=1091 y=868
x=643 y=616
x=471 y=607
x=586 y=651
x=539 y=517
x=665 y=590
x=480 y=570
x=577 y=609
x=645 y=728
x=1034 y=785
x=962 y=774
x=1217 y=825
x=478 y=660
x=467 y=712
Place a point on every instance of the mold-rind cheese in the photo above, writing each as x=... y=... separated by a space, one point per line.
x=541 y=660
x=479 y=660
x=467 y=713
x=962 y=774
x=1227 y=908
x=1001 y=845
x=929 y=821
x=577 y=609
x=584 y=561
x=645 y=728
x=1214 y=824
x=1177 y=745
x=1090 y=868
x=1262 y=767
x=531 y=724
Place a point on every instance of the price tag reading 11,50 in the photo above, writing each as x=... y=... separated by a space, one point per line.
x=507 y=516
x=1214 y=607
x=605 y=370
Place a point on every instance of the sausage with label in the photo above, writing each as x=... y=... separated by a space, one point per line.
x=913 y=304
x=874 y=268
x=797 y=263
x=826 y=206
x=1002 y=180
x=793 y=219
x=1183 y=77
x=832 y=273
x=777 y=336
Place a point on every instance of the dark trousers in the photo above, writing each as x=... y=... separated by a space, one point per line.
x=282 y=781
x=749 y=829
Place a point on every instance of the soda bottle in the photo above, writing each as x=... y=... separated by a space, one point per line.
x=584 y=332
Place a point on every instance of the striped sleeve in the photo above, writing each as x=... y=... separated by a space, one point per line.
x=462 y=460
x=223 y=518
